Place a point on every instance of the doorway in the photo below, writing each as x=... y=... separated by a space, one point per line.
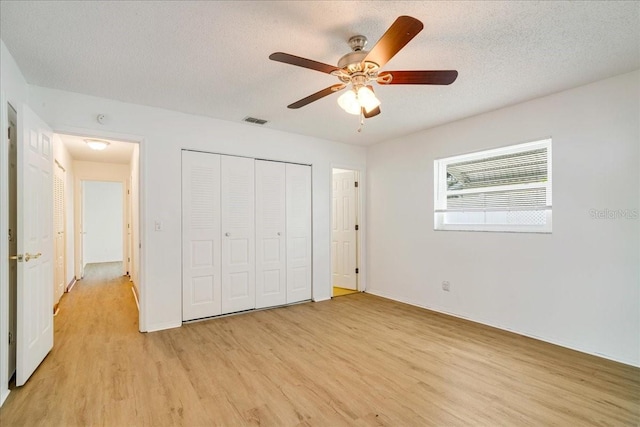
x=344 y=232
x=102 y=222
x=57 y=199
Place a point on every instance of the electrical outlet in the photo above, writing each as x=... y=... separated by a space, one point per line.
x=446 y=286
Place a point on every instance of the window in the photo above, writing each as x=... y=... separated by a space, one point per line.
x=505 y=189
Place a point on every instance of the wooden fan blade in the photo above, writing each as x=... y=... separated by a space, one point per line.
x=423 y=77
x=320 y=94
x=397 y=36
x=302 y=62
x=373 y=112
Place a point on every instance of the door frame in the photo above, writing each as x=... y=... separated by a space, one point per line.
x=361 y=282
x=4 y=250
x=142 y=202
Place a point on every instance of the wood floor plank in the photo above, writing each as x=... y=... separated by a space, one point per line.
x=355 y=360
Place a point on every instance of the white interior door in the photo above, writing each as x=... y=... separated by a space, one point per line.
x=201 y=271
x=270 y=234
x=13 y=238
x=343 y=234
x=298 y=218
x=35 y=245
x=238 y=233
x=58 y=233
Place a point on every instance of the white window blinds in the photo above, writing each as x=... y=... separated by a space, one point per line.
x=509 y=186
x=511 y=182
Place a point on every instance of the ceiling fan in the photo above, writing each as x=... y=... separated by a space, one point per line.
x=359 y=68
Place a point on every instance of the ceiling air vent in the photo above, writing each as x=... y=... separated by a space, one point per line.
x=254 y=120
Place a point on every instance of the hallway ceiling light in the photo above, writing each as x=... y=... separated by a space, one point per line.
x=96 y=144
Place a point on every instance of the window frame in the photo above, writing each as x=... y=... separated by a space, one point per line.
x=441 y=192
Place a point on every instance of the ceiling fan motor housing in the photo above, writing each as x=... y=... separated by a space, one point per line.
x=352 y=60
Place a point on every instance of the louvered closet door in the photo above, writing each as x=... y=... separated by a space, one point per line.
x=298 y=200
x=270 y=234
x=201 y=256
x=238 y=234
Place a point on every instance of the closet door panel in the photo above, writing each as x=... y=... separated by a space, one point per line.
x=270 y=234
x=201 y=271
x=238 y=233
x=298 y=218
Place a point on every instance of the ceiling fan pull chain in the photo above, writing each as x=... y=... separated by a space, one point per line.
x=361 y=120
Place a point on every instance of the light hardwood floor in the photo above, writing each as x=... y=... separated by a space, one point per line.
x=339 y=292
x=355 y=360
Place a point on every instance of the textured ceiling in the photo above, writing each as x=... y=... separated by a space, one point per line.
x=211 y=58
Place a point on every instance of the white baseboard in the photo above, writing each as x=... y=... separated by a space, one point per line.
x=163 y=326
x=4 y=395
x=71 y=284
x=135 y=297
x=526 y=334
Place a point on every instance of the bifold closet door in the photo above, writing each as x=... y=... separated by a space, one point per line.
x=271 y=284
x=201 y=269
x=298 y=217
x=238 y=234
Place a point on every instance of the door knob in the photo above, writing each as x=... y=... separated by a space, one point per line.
x=29 y=256
x=279 y=233
x=16 y=257
x=227 y=234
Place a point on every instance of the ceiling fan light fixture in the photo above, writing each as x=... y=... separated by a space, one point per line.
x=367 y=99
x=348 y=101
x=96 y=144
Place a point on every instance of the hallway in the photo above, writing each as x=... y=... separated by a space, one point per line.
x=97 y=318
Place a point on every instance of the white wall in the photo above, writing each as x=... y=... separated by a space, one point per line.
x=163 y=134
x=96 y=171
x=13 y=90
x=577 y=287
x=102 y=211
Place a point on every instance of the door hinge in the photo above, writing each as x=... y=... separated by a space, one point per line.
x=357 y=227
x=10 y=338
x=128 y=192
x=356 y=184
x=357 y=270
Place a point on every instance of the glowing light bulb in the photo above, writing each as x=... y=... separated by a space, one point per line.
x=348 y=101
